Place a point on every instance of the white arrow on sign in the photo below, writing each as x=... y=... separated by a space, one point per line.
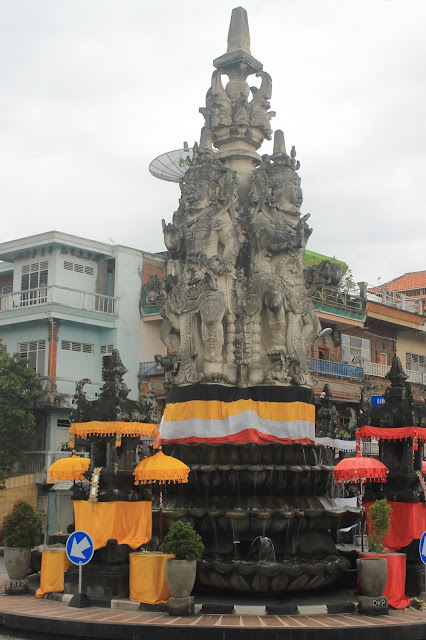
x=78 y=547
x=424 y=547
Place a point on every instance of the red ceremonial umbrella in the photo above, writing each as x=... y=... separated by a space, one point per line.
x=360 y=469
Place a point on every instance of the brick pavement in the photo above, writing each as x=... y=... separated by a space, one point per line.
x=29 y=613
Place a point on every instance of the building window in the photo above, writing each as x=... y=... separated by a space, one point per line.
x=78 y=347
x=3 y=348
x=78 y=268
x=106 y=348
x=33 y=278
x=415 y=362
x=355 y=350
x=62 y=423
x=35 y=351
x=106 y=351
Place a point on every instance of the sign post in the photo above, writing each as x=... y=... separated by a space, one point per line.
x=80 y=550
x=422 y=551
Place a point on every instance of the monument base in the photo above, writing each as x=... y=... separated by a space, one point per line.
x=100 y=580
x=373 y=606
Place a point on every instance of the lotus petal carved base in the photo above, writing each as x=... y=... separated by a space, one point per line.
x=270 y=577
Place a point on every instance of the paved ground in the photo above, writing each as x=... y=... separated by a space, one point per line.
x=49 y=617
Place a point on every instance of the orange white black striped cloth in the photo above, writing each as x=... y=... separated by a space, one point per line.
x=215 y=414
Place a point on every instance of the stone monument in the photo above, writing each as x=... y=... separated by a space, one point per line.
x=238 y=324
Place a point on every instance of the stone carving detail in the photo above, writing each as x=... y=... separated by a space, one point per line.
x=237 y=309
x=113 y=403
x=230 y=113
x=152 y=289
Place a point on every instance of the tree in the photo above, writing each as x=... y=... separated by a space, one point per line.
x=347 y=284
x=20 y=386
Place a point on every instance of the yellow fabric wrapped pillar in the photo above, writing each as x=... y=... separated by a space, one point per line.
x=147 y=579
x=54 y=563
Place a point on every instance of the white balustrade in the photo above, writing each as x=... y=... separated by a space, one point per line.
x=63 y=296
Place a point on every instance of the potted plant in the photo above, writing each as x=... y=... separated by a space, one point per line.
x=21 y=530
x=379 y=519
x=372 y=571
x=185 y=543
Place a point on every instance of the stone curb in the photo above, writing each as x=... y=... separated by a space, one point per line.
x=221 y=608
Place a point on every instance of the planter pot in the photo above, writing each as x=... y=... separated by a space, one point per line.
x=180 y=576
x=17 y=562
x=372 y=575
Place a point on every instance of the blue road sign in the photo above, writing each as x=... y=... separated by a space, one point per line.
x=80 y=547
x=376 y=401
x=422 y=548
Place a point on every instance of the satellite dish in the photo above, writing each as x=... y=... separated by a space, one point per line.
x=172 y=165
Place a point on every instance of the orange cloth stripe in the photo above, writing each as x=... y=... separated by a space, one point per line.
x=96 y=427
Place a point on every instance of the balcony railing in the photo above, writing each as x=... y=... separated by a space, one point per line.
x=149 y=369
x=380 y=370
x=63 y=296
x=317 y=365
x=34 y=461
x=397 y=300
x=342 y=300
x=67 y=387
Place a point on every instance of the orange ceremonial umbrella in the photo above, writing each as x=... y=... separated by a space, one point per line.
x=68 y=469
x=360 y=469
x=160 y=469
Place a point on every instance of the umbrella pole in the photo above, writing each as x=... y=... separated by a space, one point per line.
x=161 y=515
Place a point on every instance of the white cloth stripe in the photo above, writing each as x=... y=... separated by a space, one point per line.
x=196 y=428
x=335 y=443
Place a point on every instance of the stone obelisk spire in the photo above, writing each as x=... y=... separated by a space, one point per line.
x=237 y=117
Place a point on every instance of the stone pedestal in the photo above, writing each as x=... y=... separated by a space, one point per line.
x=373 y=606
x=15 y=587
x=181 y=606
x=100 y=580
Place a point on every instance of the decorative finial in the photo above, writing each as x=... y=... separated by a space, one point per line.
x=239 y=34
x=279 y=142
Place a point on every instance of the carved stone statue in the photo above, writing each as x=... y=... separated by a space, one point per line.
x=203 y=244
x=237 y=308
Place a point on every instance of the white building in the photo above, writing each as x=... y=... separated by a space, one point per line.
x=65 y=302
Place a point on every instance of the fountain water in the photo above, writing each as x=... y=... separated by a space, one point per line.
x=262 y=549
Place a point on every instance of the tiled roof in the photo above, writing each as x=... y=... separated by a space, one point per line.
x=407 y=282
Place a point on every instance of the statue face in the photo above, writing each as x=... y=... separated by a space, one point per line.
x=197 y=195
x=286 y=191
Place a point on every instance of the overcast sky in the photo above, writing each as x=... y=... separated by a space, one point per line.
x=93 y=90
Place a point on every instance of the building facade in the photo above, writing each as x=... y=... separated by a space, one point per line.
x=65 y=303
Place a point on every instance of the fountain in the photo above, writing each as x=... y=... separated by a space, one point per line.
x=238 y=323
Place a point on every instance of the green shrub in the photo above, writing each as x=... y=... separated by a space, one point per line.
x=183 y=541
x=22 y=527
x=379 y=518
